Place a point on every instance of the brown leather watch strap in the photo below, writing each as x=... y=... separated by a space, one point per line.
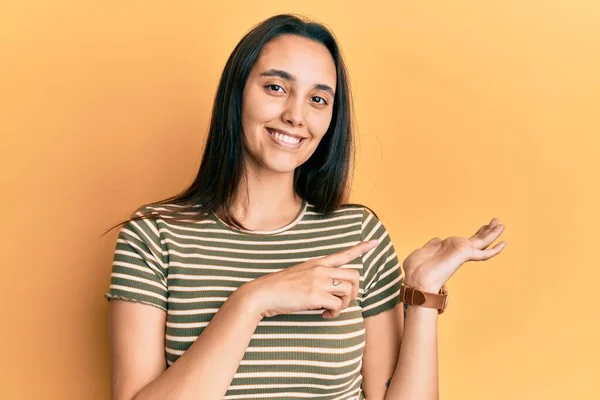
x=416 y=297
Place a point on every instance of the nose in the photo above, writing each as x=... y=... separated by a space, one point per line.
x=293 y=113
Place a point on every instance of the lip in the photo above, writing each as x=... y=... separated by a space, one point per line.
x=284 y=132
x=283 y=144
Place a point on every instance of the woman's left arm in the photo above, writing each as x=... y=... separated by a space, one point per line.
x=414 y=371
x=383 y=340
x=402 y=351
x=427 y=269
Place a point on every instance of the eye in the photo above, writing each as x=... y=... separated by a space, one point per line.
x=274 y=86
x=320 y=98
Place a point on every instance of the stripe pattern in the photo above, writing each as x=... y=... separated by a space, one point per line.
x=188 y=269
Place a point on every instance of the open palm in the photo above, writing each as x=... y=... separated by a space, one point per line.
x=431 y=266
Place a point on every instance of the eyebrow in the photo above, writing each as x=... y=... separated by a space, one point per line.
x=289 y=77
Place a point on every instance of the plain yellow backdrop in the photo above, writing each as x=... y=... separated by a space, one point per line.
x=466 y=110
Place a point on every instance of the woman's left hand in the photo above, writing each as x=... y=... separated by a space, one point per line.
x=430 y=267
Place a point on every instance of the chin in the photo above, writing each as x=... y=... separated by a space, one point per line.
x=281 y=167
x=277 y=161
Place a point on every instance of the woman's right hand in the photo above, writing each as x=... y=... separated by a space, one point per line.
x=309 y=285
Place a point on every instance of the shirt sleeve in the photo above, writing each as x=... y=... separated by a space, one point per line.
x=139 y=272
x=381 y=269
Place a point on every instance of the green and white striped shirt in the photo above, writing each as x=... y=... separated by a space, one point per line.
x=188 y=269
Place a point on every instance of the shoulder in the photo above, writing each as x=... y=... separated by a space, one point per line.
x=158 y=214
x=371 y=225
x=145 y=222
x=368 y=215
x=358 y=206
x=162 y=210
x=141 y=225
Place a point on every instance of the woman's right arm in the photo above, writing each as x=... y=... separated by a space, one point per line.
x=205 y=370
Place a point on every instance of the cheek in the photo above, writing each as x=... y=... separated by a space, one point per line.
x=319 y=125
x=258 y=109
x=318 y=128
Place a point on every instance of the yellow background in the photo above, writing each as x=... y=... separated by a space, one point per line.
x=466 y=110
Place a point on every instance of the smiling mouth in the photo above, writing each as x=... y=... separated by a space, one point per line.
x=284 y=140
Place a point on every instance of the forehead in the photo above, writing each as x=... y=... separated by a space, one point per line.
x=309 y=61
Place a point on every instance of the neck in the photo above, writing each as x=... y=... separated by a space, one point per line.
x=266 y=200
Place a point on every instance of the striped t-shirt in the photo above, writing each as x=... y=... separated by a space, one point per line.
x=188 y=269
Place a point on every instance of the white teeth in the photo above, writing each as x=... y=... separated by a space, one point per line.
x=285 y=138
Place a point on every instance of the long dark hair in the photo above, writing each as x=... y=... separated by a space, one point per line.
x=322 y=180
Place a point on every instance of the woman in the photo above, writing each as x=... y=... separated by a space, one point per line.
x=257 y=281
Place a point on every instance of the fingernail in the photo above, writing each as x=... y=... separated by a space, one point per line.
x=374 y=241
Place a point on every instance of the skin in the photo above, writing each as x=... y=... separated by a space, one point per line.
x=286 y=90
x=405 y=351
x=272 y=99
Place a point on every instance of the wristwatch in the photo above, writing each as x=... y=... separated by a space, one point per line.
x=416 y=297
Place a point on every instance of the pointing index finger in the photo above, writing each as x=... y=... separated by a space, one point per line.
x=345 y=256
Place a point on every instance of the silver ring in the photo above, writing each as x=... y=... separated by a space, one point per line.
x=333 y=282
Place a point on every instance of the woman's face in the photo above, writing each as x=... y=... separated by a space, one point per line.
x=287 y=103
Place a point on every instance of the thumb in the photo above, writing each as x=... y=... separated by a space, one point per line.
x=433 y=241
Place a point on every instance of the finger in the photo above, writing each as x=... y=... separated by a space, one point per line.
x=345 y=303
x=490 y=227
x=482 y=255
x=487 y=238
x=347 y=291
x=344 y=257
x=343 y=273
x=485 y=228
x=350 y=275
x=479 y=232
x=337 y=287
x=337 y=311
x=330 y=303
x=334 y=313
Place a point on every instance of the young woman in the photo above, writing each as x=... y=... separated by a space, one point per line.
x=258 y=282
